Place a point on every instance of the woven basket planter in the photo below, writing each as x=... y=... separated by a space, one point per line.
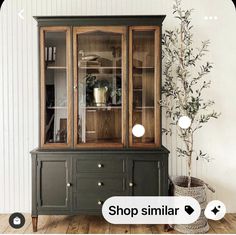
x=197 y=191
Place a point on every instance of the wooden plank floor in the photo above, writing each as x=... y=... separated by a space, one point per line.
x=96 y=224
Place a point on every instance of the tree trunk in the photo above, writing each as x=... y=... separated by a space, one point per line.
x=190 y=148
x=189 y=170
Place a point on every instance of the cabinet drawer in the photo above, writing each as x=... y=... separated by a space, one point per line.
x=96 y=165
x=91 y=202
x=97 y=184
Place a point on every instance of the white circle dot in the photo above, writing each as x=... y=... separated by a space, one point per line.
x=184 y=122
x=138 y=130
x=216 y=18
x=210 y=17
x=206 y=17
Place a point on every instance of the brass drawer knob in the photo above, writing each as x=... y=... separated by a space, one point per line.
x=131 y=184
x=100 y=165
x=100 y=184
x=99 y=202
x=68 y=185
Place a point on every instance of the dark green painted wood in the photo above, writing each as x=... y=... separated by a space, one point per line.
x=148 y=170
x=89 y=202
x=100 y=165
x=89 y=184
x=105 y=152
x=53 y=174
x=141 y=20
x=146 y=175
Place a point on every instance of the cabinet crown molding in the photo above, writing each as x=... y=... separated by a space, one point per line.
x=100 y=20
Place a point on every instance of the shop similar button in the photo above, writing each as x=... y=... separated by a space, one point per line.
x=151 y=210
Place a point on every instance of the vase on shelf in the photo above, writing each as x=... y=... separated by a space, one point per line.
x=100 y=96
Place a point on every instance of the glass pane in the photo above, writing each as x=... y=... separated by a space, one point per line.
x=99 y=87
x=143 y=84
x=56 y=87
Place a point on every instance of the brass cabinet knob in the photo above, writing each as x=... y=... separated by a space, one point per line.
x=131 y=184
x=100 y=184
x=75 y=87
x=99 y=202
x=68 y=185
x=100 y=165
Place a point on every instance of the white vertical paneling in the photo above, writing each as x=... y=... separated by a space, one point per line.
x=15 y=107
x=5 y=108
x=2 y=168
x=98 y=6
x=21 y=138
x=19 y=89
x=11 y=103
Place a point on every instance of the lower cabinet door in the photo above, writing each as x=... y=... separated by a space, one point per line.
x=148 y=178
x=53 y=182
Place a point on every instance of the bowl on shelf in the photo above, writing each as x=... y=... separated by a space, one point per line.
x=89 y=57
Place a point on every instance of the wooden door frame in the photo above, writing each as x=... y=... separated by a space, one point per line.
x=157 y=86
x=42 y=32
x=113 y=29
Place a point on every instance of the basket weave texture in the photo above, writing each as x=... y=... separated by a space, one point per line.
x=199 y=193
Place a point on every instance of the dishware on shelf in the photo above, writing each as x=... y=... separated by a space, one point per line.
x=89 y=57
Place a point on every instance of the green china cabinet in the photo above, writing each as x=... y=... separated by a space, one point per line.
x=100 y=117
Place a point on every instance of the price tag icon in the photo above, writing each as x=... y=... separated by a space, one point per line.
x=189 y=209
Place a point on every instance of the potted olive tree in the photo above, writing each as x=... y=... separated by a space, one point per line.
x=186 y=107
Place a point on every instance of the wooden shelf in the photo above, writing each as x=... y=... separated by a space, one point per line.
x=144 y=67
x=94 y=108
x=144 y=107
x=95 y=67
x=57 y=107
x=56 y=67
x=105 y=141
x=106 y=74
x=90 y=132
x=141 y=109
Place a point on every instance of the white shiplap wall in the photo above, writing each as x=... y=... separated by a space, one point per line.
x=19 y=89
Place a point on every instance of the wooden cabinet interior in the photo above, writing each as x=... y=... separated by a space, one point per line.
x=108 y=101
x=55 y=87
x=144 y=85
x=100 y=90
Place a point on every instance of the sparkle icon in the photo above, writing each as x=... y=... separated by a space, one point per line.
x=215 y=210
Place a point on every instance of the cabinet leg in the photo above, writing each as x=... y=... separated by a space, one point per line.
x=35 y=223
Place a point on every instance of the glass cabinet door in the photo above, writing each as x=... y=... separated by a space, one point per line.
x=144 y=90
x=99 y=69
x=55 y=87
